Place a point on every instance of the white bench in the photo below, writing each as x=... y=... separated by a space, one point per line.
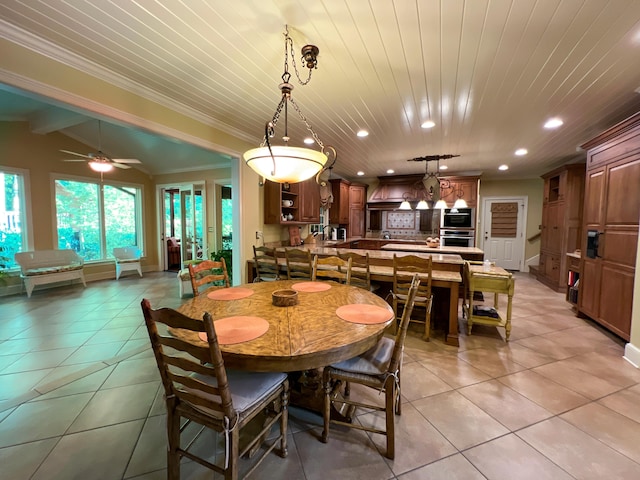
x=49 y=266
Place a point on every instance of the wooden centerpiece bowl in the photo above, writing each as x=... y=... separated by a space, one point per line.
x=284 y=298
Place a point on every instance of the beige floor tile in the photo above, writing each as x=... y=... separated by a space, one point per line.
x=578 y=453
x=459 y=420
x=511 y=409
x=511 y=458
x=525 y=356
x=98 y=454
x=609 y=427
x=548 y=347
x=417 y=441
x=348 y=455
x=625 y=402
x=149 y=451
x=418 y=382
x=21 y=461
x=546 y=393
x=494 y=363
x=36 y=420
x=454 y=371
x=131 y=372
x=577 y=380
x=609 y=366
x=455 y=467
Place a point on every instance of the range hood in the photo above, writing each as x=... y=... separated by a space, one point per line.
x=390 y=191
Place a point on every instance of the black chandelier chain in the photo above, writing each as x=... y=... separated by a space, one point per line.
x=288 y=48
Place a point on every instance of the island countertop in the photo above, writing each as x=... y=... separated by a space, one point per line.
x=422 y=248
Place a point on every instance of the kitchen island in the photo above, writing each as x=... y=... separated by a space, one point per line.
x=447 y=278
x=472 y=254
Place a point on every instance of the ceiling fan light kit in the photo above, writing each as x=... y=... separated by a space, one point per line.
x=98 y=161
x=282 y=163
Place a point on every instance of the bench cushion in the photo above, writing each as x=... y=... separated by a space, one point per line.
x=48 y=270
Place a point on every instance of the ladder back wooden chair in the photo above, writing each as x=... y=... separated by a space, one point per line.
x=404 y=267
x=266 y=263
x=331 y=268
x=378 y=368
x=299 y=264
x=360 y=270
x=199 y=389
x=208 y=272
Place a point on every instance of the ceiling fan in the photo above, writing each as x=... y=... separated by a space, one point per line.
x=99 y=161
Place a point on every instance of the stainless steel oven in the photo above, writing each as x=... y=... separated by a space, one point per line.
x=457 y=218
x=457 y=238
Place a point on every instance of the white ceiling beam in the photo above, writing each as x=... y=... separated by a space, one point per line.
x=51 y=120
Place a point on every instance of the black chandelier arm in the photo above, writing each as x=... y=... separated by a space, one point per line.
x=332 y=156
x=431 y=158
x=268 y=132
x=288 y=47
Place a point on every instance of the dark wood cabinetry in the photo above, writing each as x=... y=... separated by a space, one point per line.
x=339 y=211
x=357 y=201
x=453 y=188
x=561 y=223
x=296 y=202
x=611 y=221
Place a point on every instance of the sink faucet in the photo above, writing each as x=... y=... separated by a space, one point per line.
x=323 y=229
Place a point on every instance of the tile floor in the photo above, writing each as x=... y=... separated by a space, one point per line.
x=80 y=397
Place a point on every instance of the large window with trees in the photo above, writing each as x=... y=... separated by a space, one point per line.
x=13 y=215
x=94 y=218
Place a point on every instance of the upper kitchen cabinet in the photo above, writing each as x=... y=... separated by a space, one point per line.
x=357 y=202
x=286 y=203
x=453 y=188
x=339 y=211
x=610 y=226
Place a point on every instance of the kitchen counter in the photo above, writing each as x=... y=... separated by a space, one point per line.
x=468 y=253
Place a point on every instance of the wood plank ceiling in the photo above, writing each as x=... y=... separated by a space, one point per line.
x=489 y=73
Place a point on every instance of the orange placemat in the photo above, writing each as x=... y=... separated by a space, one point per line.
x=234 y=293
x=311 y=286
x=363 y=313
x=237 y=329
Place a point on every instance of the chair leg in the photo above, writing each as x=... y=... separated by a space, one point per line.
x=284 y=419
x=398 y=398
x=231 y=473
x=326 y=414
x=427 y=326
x=390 y=394
x=173 y=457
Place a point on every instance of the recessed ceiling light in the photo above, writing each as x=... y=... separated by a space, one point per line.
x=308 y=140
x=390 y=171
x=360 y=173
x=521 y=151
x=428 y=124
x=553 y=123
x=503 y=167
x=362 y=133
x=443 y=167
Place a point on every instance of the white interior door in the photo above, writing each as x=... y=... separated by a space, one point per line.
x=193 y=221
x=502 y=237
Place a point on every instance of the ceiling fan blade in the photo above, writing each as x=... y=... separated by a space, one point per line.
x=120 y=165
x=73 y=160
x=126 y=160
x=75 y=153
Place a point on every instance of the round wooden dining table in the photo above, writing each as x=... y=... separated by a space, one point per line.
x=330 y=322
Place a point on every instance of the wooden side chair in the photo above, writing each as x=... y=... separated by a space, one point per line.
x=331 y=268
x=208 y=272
x=378 y=368
x=266 y=263
x=199 y=389
x=360 y=270
x=299 y=265
x=404 y=267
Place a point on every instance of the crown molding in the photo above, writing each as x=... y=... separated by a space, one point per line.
x=50 y=50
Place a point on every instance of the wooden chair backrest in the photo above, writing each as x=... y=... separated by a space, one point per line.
x=203 y=274
x=360 y=269
x=176 y=368
x=299 y=263
x=405 y=267
x=266 y=263
x=401 y=334
x=331 y=268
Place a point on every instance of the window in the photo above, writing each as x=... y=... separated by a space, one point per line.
x=93 y=218
x=13 y=215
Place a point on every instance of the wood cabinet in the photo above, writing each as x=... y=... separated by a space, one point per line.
x=561 y=223
x=453 y=188
x=357 y=202
x=611 y=217
x=375 y=220
x=298 y=202
x=339 y=211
